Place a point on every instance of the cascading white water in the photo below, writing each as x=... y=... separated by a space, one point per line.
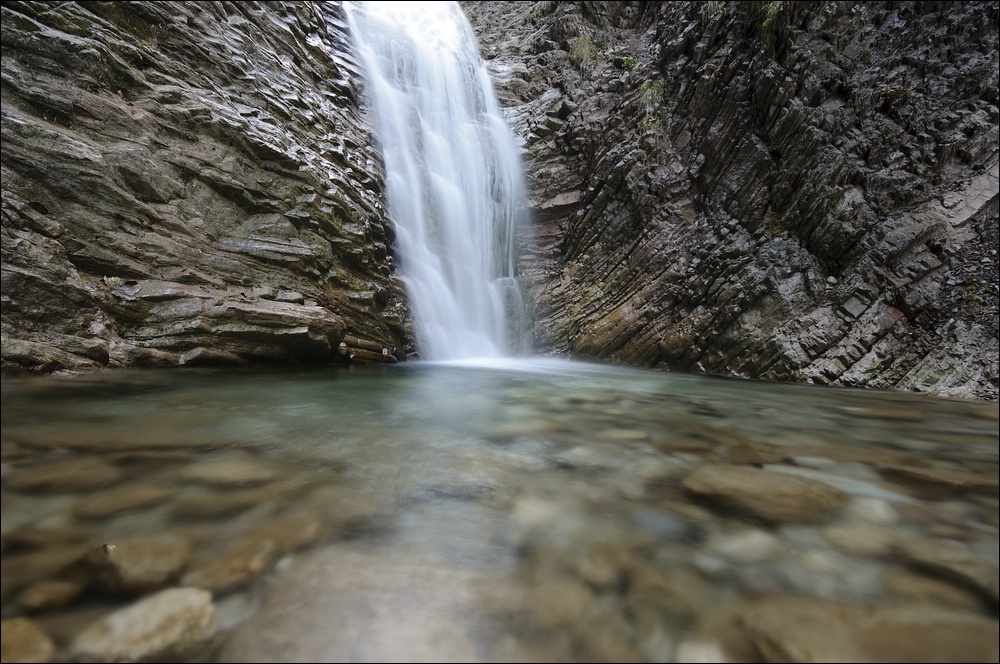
x=453 y=175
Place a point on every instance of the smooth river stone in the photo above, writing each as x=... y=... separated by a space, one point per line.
x=943 y=479
x=254 y=552
x=49 y=595
x=229 y=472
x=21 y=640
x=120 y=499
x=954 y=563
x=365 y=605
x=137 y=566
x=798 y=629
x=862 y=539
x=69 y=475
x=918 y=589
x=214 y=503
x=163 y=626
x=746 y=546
x=559 y=602
x=30 y=537
x=771 y=496
x=18 y=571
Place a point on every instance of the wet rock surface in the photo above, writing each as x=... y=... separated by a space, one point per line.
x=617 y=524
x=189 y=185
x=788 y=629
x=169 y=624
x=765 y=494
x=785 y=191
x=23 y=641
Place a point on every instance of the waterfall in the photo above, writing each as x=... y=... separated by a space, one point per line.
x=453 y=176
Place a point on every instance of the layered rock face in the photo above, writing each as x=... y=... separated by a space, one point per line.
x=190 y=183
x=787 y=191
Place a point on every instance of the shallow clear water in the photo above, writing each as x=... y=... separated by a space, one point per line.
x=528 y=511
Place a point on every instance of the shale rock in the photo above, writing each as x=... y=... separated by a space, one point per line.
x=188 y=184
x=808 y=194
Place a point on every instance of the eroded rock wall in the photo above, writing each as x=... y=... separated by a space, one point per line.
x=782 y=190
x=189 y=183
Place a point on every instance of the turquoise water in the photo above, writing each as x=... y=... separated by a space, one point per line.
x=490 y=512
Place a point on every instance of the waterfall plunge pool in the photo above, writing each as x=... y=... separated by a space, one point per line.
x=511 y=511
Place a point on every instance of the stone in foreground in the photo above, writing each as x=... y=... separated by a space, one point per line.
x=164 y=626
x=766 y=495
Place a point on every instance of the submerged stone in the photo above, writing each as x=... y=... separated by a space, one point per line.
x=794 y=629
x=137 y=566
x=767 y=495
x=22 y=640
x=169 y=624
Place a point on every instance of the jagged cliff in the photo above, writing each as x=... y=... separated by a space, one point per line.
x=786 y=190
x=189 y=183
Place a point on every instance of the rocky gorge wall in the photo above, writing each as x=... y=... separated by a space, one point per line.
x=189 y=184
x=798 y=191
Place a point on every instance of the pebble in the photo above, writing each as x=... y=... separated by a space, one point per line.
x=70 y=475
x=768 y=495
x=862 y=539
x=872 y=510
x=559 y=602
x=254 y=552
x=169 y=624
x=237 y=471
x=22 y=640
x=953 y=563
x=121 y=499
x=798 y=629
x=137 y=566
x=747 y=546
x=46 y=595
x=912 y=587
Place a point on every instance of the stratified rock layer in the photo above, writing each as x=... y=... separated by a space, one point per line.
x=793 y=191
x=189 y=183
x=787 y=191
